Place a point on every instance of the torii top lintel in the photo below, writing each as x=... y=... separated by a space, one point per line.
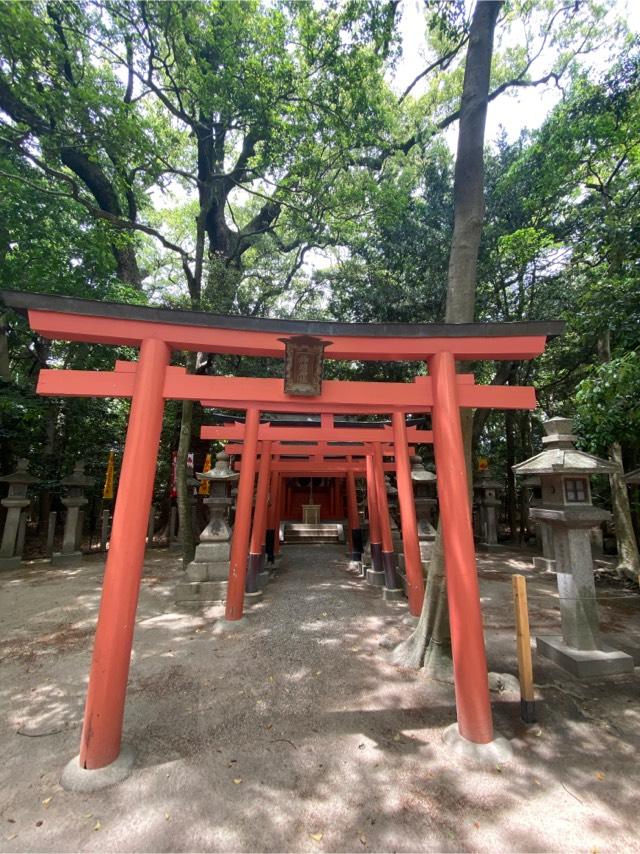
x=70 y=319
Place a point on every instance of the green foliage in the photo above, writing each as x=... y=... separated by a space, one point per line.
x=608 y=404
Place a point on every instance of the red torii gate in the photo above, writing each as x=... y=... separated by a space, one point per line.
x=149 y=382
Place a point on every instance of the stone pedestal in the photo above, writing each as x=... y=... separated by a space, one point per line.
x=207 y=574
x=16 y=502
x=74 y=500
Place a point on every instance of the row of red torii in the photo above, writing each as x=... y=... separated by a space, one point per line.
x=151 y=380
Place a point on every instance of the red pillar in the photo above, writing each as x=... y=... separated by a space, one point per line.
x=467 y=638
x=374 y=524
x=242 y=525
x=411 y=545
x=259 y=519
x=386 y=537
x=104 y=710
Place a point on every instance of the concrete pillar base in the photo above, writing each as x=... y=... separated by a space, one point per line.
x=488 y=755
x=77 y=779
x=375 y=579
x=584 y=663
x=250 y=598
x=544 y=564
x=355 y=566
x=394 y=594
x=65 y=558
x=10 y=562
x=225 y=625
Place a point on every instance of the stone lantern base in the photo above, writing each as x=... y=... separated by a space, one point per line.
x=584 y=663
x=10 y=562
x=208 y=574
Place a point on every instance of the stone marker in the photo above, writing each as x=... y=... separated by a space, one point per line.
x=74 y=485
x=486 y=490
x=567 y=509
x=424 y=485
x=16 y=501
x=208 y=572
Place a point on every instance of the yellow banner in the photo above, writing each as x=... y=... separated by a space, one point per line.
x=205 y=486
x=107 y=492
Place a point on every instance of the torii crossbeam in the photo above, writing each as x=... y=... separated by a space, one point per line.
x=149 y=382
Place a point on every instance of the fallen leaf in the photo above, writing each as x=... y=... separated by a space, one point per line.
x=97 y=826
x=498 y=769
x=476 y=824
x=316 y=836
x=47 y=801
x=269 y=726
x=396 y=737
x=324 y=614
x=237 y=781
x=88 y=815
x=599 y=775
x=318 y=672
x=11 y=836
x=167 y=816
x=363 y=838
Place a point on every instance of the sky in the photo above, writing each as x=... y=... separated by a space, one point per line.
x=526 y=108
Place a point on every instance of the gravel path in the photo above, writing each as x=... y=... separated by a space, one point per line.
x=294 y=733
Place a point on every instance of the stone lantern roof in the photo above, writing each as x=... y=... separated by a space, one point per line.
x=561 y=456
x=220 y=471
x=20 y=475
x=77 y=477
x=419 y=472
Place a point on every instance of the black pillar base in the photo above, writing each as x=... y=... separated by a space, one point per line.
x=270 y=538
x=253 y=570
x=376 y=557
x=356 y=544
x=389 y=569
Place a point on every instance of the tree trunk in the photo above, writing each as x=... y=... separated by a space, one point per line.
x=628 y=557
x=430 y=644
x=183 y=489
x=5 y=373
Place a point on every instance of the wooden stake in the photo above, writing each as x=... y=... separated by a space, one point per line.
x=523 y=638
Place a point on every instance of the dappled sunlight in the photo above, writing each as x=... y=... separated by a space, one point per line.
x=297 y=724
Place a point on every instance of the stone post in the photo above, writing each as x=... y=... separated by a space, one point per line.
x=16 y=501
x=207 y=574
x=567 y=510
x=74 y=500
x=424 y=484
x=487 y=496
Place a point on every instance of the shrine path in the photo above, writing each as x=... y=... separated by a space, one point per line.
x=294 y=733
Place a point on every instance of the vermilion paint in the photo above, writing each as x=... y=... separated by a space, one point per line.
x=467 y=638
x=104 y=709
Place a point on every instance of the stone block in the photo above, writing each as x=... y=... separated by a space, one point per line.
x=212 y=552
x=544 y=564
x=201 y=591
x=584 y=663
x=10 y=562
x=393 y=594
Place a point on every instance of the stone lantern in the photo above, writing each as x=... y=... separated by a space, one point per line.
x=392 y=503
x=567 y=509
x=74 y=485
x=424 y=486
x=486 y=490
x=14 y=526
x=208 y=572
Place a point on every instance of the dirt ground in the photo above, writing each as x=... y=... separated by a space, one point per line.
x=295 y=733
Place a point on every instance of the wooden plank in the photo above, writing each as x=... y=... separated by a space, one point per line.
x=523 y=640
